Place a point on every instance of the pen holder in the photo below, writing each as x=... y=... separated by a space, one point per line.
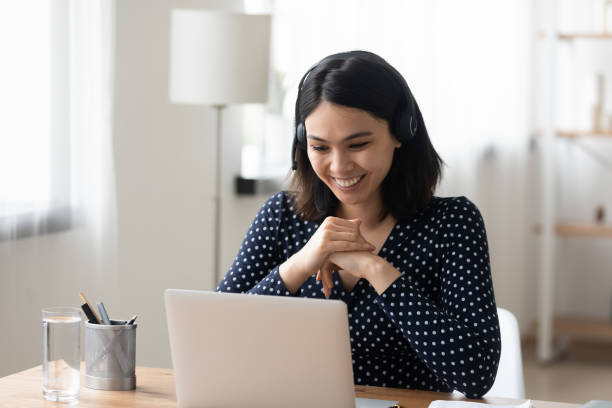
x=110 y=356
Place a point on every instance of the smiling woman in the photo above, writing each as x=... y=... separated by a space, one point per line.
x=362 y=225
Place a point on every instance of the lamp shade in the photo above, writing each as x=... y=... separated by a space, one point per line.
x=218 y=58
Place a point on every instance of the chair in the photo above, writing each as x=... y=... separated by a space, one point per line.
x=509 y=382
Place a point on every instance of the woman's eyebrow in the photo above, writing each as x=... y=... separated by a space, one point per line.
x=353 y=136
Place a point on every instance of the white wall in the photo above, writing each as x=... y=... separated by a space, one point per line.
x=165 y=163
x=40 y=272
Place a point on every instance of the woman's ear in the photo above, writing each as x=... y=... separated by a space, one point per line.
x=396 y=142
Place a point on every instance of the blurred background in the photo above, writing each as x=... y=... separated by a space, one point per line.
x=111 y=187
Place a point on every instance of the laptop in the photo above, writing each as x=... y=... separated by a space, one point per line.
x=236 y=350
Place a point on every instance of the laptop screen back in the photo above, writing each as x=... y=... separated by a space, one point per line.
x=233 y=350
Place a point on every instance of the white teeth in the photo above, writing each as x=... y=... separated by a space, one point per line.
x=348 y=182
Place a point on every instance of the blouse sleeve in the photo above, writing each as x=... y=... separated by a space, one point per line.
x=458 y=336
x=255 y=268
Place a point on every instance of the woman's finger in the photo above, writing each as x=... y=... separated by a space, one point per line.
x=353 y=236
x=325 y=274
x=348 y=246
x=323 y=284
x=341 y=228
x=341 y=221
x=341 y=224
x=328 y=282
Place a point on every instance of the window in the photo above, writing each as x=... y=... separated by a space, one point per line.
x=34 y=148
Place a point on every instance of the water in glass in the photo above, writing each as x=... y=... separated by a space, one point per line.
x=61 y=353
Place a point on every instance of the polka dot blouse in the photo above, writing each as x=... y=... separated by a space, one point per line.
x=434 y=328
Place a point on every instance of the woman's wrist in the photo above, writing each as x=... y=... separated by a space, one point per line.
x=291 y=275
x=381 y=274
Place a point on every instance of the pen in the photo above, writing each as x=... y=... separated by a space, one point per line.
x=86 y=305
x=132 y=320
x=89 y=313
x=103 y=313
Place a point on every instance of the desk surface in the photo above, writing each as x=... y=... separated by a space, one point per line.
x=155 y=388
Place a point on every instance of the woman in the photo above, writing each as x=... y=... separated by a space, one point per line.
x=362 y=225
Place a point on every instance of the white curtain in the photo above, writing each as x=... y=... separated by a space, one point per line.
x=91 y=87
x=25 y=92
x=57 y=200
x=55 y=133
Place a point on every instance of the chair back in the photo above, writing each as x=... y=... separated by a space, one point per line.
x=509 y=381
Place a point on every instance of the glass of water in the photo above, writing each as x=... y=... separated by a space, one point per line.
x=61 y=353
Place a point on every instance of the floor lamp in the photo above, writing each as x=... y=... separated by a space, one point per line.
x=216 y=59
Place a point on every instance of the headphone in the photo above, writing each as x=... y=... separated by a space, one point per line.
x=404 y=127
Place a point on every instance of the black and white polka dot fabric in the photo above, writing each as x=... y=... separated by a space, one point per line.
x=434 y=328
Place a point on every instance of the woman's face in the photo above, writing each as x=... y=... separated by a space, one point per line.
x=350 y=151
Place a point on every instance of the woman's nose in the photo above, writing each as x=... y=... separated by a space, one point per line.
x=341 y=162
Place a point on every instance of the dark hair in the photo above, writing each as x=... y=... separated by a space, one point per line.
x=363 y=80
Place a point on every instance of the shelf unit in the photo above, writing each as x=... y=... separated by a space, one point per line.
x=584 y=36
x=550 y=325
x=581 y=328
x=584 y=230
x=573 y=229
x=577 y=134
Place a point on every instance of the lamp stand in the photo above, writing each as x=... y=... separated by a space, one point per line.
x=217 y=197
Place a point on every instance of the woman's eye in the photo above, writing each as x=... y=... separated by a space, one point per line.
x=319 y=148
x=358 y=145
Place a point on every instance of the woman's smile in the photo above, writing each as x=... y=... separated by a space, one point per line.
x=348 y=184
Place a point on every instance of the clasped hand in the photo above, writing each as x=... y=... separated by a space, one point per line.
x=337 y=244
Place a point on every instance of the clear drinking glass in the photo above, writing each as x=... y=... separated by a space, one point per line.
x=61 y=353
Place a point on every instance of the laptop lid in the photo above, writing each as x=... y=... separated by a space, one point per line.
x=236 y=350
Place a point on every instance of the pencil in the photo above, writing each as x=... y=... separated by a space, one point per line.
x=84 y=299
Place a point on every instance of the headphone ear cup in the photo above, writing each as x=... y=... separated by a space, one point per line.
x=405 y=126
x=300 y=134
x=402 y=127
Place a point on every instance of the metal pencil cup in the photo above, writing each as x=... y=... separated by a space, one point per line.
x=110 y=356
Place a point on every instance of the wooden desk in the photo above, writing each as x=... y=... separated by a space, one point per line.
x=155 y=389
